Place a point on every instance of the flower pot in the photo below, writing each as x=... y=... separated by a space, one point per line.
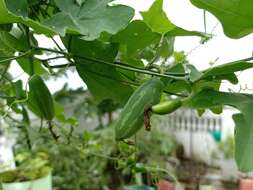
x=246 y=184
x=44 y=183
x=165 y=185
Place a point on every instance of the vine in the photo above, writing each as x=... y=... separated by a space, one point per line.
x=114 y=57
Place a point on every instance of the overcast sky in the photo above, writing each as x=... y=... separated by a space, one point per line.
x=183 y=14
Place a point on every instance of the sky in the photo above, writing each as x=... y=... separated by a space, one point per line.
x=183 y=14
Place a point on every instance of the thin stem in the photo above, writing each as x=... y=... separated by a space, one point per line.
x=58 y=66
x=133 y=69
x=53 y=58
x=157 y=55
x=4 y=72
x=58 y=46
x=241 y=60
x=70 y=134
x=176 y=94
x=31 y=59
x=121 y=81
x=50 y=126
x=120 y=66
x=15 y=57
x=204 y=15
x=51 y=50
x=27 y=136
x=4 y=57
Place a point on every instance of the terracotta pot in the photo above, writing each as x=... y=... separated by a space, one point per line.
x=246 y=184
x=165 y=185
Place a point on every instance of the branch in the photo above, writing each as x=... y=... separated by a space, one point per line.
x=50 y=126
x=118 y=65
x=16 y=57
x=242 y=60
x=4 y=72
x=157 y=55
x=28 y=36
x=58 y=66
x=176 y=94
x=58 y=46
x=52 y=58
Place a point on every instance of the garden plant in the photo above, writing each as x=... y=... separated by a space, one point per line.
x=129 y=63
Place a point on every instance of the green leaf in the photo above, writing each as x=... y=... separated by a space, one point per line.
x=182 y=32
x=135 y=37
x=90 y=19
x=235 y=16
x=24 y=63
x=229 y=77
x=177 y=87
x=194 y=74
x=220 y=72
x=9 y=44
x=80 y=2
x=243 y=121
x=18 y=88
x=167 y=47
x=6 y=27
x=217 y=109
x=158 y=21
x=104 y=81
x=227 y=69
x=40 y=100
x=26 y=119
x=206 y=84
x=17 y=7
x=13 y=15
x=132 y=61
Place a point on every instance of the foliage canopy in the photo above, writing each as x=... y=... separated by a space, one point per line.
x=115 y=54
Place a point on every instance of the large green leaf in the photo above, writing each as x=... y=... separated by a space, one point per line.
x=243 y=121
x=135 y=37
x=158 y=21
x=90 y=18
x=104 y=81
x=18 y=7
x=17 y=13
x=227 y=68
x=10 y=44
x=236 y=16
x=24 y=63
x=167 y=47
x=40 y=100
x=221 y=72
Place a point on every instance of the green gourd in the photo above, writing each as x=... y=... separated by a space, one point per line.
x=131 y=118
x=166 y=107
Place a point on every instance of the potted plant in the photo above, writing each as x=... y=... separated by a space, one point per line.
x=32 y=173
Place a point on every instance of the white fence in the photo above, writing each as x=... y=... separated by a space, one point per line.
x=199 y=135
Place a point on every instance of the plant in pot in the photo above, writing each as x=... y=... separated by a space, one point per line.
x=32 y=173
